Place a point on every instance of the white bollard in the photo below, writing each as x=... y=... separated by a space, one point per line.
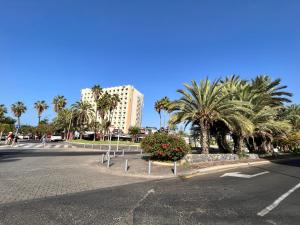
x=149 y=167
x=108 y=161
x=84 y=146
x=102 y=159
x=126 y=165
x=114 y=154
x=123 y=153
x=175 y=168
x=141 y=151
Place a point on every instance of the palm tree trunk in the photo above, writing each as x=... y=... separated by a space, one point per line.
x=1 y=133
x=159 y=120
x=19 y=122
x=238 y=143
x=204 y=138
x=39 y=120
x=222 y=143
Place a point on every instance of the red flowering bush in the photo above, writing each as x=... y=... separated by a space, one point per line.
x=165 y=147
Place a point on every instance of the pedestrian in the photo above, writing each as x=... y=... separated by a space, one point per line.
x=44 y=139
x=9 y=138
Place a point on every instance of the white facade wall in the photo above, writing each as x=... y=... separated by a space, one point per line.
x=129 y=109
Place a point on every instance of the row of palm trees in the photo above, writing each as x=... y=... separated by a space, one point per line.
x=19 y=108
x=82 y=115
x=253 y=112
x=161 y=107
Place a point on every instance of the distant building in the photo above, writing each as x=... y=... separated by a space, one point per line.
x=129 y=110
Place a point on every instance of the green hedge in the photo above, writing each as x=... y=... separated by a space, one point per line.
x=165 y=147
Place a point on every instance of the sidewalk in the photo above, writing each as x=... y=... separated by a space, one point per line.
x=138 y=167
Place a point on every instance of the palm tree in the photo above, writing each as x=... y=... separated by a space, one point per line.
x=203 y=104
x=82 y=111
x=3 y=111
x=18 y=109
x=114 y=100
x=97 y=92
x=40 y=107
x=158 y=108
x=134 y=131
x=59 y=102
x=165 y=101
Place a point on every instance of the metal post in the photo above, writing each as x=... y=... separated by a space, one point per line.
x=175 y=168
x=141 y=151
x=123 y=153
x=102 y=159
x=118 y=140
x=83 y=145
x=114 y=154
x=109 y=142
x=149 y=167
x=108 y=161
x=126 y=165
x=92 y=146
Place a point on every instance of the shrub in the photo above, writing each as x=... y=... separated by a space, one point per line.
x=165 y=147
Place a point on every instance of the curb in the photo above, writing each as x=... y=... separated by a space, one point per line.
x=197 y=172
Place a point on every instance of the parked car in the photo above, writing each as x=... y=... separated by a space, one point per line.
x=56 y=138
x=3 y=138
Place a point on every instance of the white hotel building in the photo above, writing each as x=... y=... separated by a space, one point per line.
x=129 y=110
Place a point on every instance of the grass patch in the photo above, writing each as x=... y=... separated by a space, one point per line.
x=78 y=141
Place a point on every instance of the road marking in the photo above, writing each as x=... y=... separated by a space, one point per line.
x=29 y=146
x=239 y=174
x=269 y=208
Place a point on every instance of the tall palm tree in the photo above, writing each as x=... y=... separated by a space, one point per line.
x=103 y=107
x=97 y=92
x=203 y=104
x=114 y=100
x=3 y=111
x=40 y=107
x=82 y=111
x=266 y=98
x=18 y=109
x=165 y=101
x=158 y=105
x=59 y=102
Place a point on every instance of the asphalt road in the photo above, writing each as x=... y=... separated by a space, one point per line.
x=270 y=198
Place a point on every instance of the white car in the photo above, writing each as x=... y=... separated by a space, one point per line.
x=56 y=138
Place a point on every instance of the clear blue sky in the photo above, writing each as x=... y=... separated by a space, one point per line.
x=59 y=47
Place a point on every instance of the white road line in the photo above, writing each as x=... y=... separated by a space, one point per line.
x=29 y=146
x=269 y=208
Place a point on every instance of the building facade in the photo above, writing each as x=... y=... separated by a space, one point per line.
x=129 y=110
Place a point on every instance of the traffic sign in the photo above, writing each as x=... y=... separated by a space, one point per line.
x=17 y=126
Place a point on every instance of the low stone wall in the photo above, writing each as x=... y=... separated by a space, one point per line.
x=196 y=158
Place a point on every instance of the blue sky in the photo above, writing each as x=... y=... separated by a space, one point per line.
x=59 y=47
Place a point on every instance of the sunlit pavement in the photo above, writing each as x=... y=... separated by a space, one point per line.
x=76 y=193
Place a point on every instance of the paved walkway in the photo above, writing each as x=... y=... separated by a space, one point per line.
x=38 y=175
